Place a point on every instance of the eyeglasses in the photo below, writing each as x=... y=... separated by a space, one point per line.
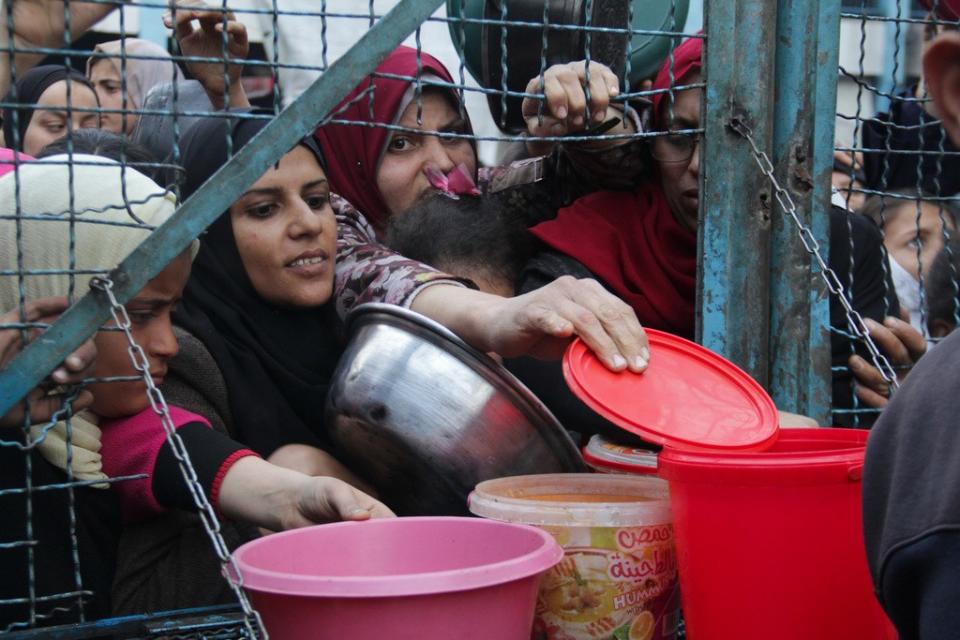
x=675 y=147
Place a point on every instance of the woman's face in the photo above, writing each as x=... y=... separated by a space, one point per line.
x=903 y=234
x=150 y=317
x=286 y=232
x=680 y=178
x=400 y=176
x=106 y=78
x=48 y=125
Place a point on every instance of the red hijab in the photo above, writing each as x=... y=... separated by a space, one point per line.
x=632 y=241
x=353 y=152
x=945 y=9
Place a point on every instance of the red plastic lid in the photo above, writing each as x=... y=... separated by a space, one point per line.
x=688 y=398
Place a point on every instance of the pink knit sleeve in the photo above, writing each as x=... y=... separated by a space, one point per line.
x=130 y=447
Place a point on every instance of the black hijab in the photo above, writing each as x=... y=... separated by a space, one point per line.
x=29 y=88
x=276 y=362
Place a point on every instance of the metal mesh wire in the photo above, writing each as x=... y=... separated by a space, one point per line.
x=894 y=163
x=490 y=58
x=49 y=510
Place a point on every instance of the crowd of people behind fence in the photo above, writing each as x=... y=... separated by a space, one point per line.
x=243 y=329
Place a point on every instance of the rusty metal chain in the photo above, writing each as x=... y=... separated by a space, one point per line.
x=252 y=622
x=810 y=243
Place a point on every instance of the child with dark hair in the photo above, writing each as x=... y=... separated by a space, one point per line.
x=107 y=144
x=914 y=227
x=469 y=237
x=943 y=290
x=484 y=239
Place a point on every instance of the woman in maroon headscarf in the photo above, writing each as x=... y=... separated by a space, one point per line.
x=641 y=244
x=384 y=171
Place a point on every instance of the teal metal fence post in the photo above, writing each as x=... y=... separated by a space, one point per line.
x=894 y=73
x=761 y=301
x=808 y=36
x=734 y=270
x=215 y=196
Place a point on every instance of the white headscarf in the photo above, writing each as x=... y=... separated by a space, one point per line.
x=43 y=240
x=100 y=240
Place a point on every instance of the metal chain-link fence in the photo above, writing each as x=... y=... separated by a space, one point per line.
x=894 y=164
x=728 y=131
x=67 y=76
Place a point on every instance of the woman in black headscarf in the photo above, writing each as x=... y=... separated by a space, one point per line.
x=259 y=345
x=53 y=99
x=275 y=358
x=254 y=358
x=269 y=323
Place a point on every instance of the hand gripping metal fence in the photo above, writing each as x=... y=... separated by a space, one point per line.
x=895 y=164
x=812 y=245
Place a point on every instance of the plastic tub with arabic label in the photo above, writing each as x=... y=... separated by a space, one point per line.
x=618 y=578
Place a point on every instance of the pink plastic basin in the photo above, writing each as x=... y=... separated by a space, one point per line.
x=417 y=578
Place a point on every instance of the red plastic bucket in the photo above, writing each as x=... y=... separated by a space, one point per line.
x=770 y=544
x=399 y=578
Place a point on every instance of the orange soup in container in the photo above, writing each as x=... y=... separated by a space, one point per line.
x=618 y=577
x=606 y=456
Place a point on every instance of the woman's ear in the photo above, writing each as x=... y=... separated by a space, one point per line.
x=941 y=70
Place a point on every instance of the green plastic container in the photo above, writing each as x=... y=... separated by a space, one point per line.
x=480 y=44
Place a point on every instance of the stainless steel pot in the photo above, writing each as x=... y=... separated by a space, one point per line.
x=424 y=417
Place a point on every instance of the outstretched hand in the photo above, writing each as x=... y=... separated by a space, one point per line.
x=324 y=499
x=542 y=323
x=565 y=98
x=39 y=24
x=277 y=498
x=901 y=344
x=217 y=34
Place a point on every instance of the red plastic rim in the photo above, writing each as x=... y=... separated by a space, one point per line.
x=800 y=456
x=794 y=447
x=544 y=553
x=688 y=398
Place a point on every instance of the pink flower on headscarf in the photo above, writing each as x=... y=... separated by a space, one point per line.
x=455 y=183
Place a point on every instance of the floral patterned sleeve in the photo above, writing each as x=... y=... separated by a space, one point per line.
x=367 y=271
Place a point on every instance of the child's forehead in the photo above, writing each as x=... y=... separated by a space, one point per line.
x=901 y=217
x=167 y=286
